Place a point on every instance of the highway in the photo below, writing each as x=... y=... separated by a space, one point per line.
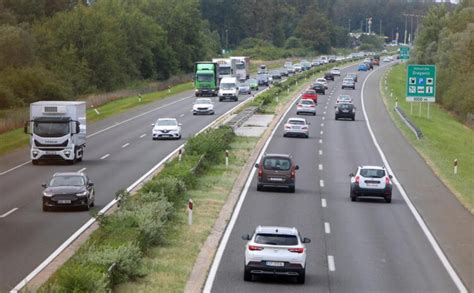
x=119 y=151
x=363 y=246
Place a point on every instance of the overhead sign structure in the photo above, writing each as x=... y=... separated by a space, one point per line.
x=404 y=53
x=421 y=83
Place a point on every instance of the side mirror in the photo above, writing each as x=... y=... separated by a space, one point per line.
x=297 y=167
x=91 y=184
x=335 y=107
x=351 y=175
x=256 y=165
x=78 y=128
x=306 y=240
x=246 y=237
x=390 y=176
x=44 y=185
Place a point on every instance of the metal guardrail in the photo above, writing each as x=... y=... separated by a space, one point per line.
x=240 y=118
x=409 y=123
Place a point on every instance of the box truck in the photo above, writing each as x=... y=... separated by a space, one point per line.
x=226 y=67
x=57 y=130
x=242 y=68
x=206 y=78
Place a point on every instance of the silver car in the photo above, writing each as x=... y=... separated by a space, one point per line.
x=306 y=106
x=244 y=88
x=296 y=127
x=348 y=83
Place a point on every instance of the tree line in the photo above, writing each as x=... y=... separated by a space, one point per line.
x=446 y=38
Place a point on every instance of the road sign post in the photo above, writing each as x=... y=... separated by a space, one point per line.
x=421 y=84
x=404 y=53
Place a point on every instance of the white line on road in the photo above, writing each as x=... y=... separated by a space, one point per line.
x=324 y=112
x=331 y=265
x=321 y=183
x=323 y=202
x=181 y=115
x=126 y=145
x=327 y=228
x=320 y=152
x=321 y=132
x=82 y=170
x=143 y=135
x=104 y=156
x=320 y=141
x=322 y=124
x=325 y=107
x=14 y=168
x=324 y=117
x=320 y=166
x=9 y=212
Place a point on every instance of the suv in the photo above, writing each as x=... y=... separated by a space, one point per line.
x=276 y=170
x=371 y=181
x=275 y=251
x=345 y=110
x=71 y=189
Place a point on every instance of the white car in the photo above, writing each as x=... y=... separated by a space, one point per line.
x=166 y=128
x=296 y=127
x=344 y=99
x=306 y=106
x=275 y=251
x=336 y=72
x=371 y=181
x=203 y=106
x=323 y=81
x=386 y=59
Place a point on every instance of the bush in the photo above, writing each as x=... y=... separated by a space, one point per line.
x=212 y=144
x=181 y=171
x=76 y=277
x=172 y=188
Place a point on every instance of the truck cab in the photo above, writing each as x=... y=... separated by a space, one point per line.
x=206 y=78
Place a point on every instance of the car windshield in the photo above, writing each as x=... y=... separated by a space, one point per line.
x=243 y=84
x=345 y=106
x=296 y=122
x=166 y=122
x=51 y=129
x=281 y=164
x=252 y=81
x=276 y=239
x=72 y=180
x=350 y=80
x=372 y=173
x=203 y=101
x=227 y=86
x=310 y=93
x=240 y=66
x=206 y=77
x=321 y=80
x=224 y=70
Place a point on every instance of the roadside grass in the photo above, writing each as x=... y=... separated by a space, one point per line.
x=168 y=266
x=445 y=138
x=14 y=139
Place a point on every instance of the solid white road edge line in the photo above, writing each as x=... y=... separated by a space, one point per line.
x=9 y=212
x=323 y=202
x=82 y=170
x=91 y=221
x=327 y=228
x=444 y=260
x=331 y=264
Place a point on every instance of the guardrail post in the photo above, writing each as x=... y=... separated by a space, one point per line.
x=169 y=89
x=455 y=166
x=95 y=109
x=180 y=154
x=226 y=158
x=110 y=271
x=190 y=212
x=396 y=102
x=140 y=97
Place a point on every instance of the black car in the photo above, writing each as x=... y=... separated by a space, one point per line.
x=319 y=88
x=263 y=79
x=68 y=189
x=345 y=110
x=276 y=75
x=329 y=76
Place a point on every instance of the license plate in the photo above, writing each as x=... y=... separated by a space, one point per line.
x=50 y=153
x=276 y=179
x=275 y=264
x=371 y=184
x=64 y=201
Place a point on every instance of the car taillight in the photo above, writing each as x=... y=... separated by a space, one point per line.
x=260 y=171
x=357 y=180
x=312 y=106
x=387 y=181
x=293 y=173
x=287 y=126
x=255 y=248
x=296 y=250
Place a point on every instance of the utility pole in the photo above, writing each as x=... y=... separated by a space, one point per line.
x=349 y=25
x=227 y=40
x=369 y=22
x=405 y=35
x=380 y=27
x=411 y=29
x=361 y=24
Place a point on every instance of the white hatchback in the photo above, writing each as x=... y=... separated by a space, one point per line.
x=203 y=106
x=275 y=251
x=323 y=81
x=344 y=99
x=306 y=106
x=296 y=127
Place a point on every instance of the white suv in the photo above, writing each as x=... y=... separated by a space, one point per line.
x=275 y=251
x=371 y=181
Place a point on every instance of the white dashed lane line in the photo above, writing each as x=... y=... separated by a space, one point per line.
x=322 y=124
x=8 y=213
x=321 y=132
x=181 y=115
x=320 y=141
x=126 y=145
x=331 y=264
x=320 y=152
x=143 y=135
x=327 y=228
x=320 y=166
x=104 y=156
x=323 y=202
x=321 y=183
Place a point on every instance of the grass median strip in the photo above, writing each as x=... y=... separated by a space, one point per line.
x=444 y=138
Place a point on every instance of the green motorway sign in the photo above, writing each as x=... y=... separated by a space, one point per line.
x=421 y=83
x=404 y=53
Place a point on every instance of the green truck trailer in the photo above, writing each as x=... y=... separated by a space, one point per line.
x=206 y=78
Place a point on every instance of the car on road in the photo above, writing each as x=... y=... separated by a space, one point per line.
x=228 y=89
x=298 y=67
x=372 y=181
x=166 y=128
x=336 y=71
x=276 y=75
x=329 y=76
x=386 y=59
x=352 y=75
x=291 y=69
x=344 y=99
x=306 y=106
x=276 y=170
x=244 y=88
x=68 y=189
x=203 y=106
x=362 y=67
x=253 y=84
x=319 y=88
x=345 y=110
x=310 y=94
x=323 y=81
x=284 y=72
x=296 y=127
x=277 y=251
x=263 y=79
x=348 y=82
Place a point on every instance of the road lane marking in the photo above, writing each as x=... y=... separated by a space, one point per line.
x=324 y=112
x=104 y=156
x=321 y=132
x=320 y=152
x=14 y=168
x=320 y=141
x=320 y=166
x=82 y=170
x=327 y=228
x=439 y=252
x=325 y=107
x=181 y=115
x=331 y=264
x=321 y=183
x=322 y=124
x=323 y=202
x=8 y=213
x=143 y=135
x=324 y=117
x=126 y=145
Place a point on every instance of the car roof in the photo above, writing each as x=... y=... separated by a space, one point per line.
x=68 y=174
x=278 y=155
x=372 y=167
x=276 y=230
x=162 y=119
x=307 y=100
x=343 y=96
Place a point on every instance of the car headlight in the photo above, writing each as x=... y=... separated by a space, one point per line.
x=84 y=193
x=47 y=193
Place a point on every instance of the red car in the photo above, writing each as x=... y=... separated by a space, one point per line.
x=310 y=94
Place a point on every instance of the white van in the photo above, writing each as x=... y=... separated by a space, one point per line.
x=228 y=89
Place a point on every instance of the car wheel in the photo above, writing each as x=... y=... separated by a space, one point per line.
x=247 y=275
x=388 y=199
x=301 y=277
x=35 y=162
x=306 y=136
x=353 y=118
x=220 y=100
x=336 y=117
x=314 y=114
x=292 y=189
x=259 y=187
x=179 y=137
x=353 y=196
x=297 y=113
x=45 y=208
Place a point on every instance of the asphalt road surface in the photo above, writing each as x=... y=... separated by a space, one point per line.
x=363 y=246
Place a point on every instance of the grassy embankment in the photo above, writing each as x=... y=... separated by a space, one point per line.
x=445 y=138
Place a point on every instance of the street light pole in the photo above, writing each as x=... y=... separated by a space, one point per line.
x=405 y=35
x=349 y=25
x=227 y=40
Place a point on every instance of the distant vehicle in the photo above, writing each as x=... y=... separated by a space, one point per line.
x=262 y=69
x=306 y=65
x=253 y=84
x=263 y=79
x=228 y=89
x=352 y=75
x=284 y=72
x=291 y=69
x=276 y=170
x=306 y=106
x=340 y=58
x=203 y=106
x=371 y=181
x=386 y=59
x=324 y=59
x=362 y=67
x=310 y=94
x=244 y=88
x=344 y=99
x=288 y=64
x=242 y=67
x=275 y=251
x=332 y=59
x=329 y=76
x=276 y=75
x=206 y=78
x=319 y=88
x=225 y=67
x=348 y=83
x=345 y=110
x=336 y=72
x=296 y=127
x=166 y=128
x=68 y=189
x=57 y=130
x=323 y=81
x=298 y=67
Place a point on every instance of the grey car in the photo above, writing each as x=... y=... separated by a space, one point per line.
x=348 y=83
x=68 y=189
x=244 y=88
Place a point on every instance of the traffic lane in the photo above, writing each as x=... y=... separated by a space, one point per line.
x=275 y=207
x=381 y=242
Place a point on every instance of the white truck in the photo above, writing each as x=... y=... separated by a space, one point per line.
x=226 y=67
x=57 y=130
x=242 y=68
x=228 y=89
